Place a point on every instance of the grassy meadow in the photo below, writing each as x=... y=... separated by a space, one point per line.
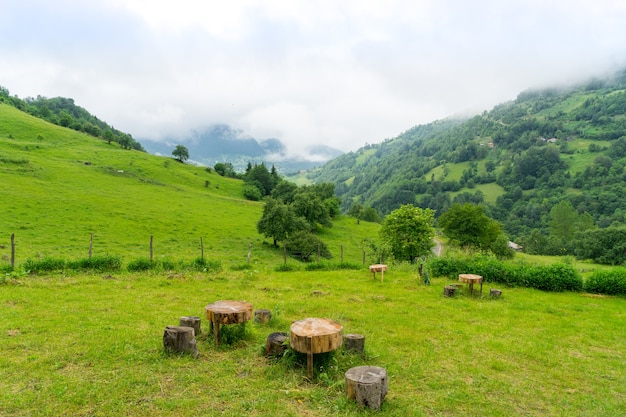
x=90 y=344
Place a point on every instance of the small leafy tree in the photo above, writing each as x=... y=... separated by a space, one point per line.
x=467 y=225
x=409 y=232
x=180 y=153
x=305 y=245
x=279 y=221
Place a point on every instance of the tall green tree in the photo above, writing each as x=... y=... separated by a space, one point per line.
x=409 y=232
x=467 y=225
x=563 y=220
x=279 y=221
x=180 y=153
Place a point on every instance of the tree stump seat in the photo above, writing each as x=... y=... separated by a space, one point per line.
x=495 y=293
x=180 y=339
x=262 y=316
x=227 y=312
x=191 y=321
x=449 y=290
x=275 y=344
x=354 y=342
x=315 y=335
x=367 y=385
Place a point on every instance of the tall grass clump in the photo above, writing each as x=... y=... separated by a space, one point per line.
x=103 y=263
x=612 y=282
x=47 y=264
x=203 y=265
x=141 y=265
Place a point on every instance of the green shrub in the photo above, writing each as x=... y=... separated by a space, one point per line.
x=607 y=282
x=304 y=245
x=97 y=263
x=44 y=265
x=140 y=264
x=555 y=277
x=203 y=265
x=285 y=268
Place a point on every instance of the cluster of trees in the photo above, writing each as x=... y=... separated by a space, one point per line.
x=530 y=148
x=64 y=112
x=293 y=214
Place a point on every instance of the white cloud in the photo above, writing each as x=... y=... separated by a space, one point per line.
x=306 y=72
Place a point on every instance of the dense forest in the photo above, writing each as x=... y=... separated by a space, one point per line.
x=64 y=112
x=550 y=156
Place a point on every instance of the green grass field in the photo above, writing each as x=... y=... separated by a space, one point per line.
x=90 y=344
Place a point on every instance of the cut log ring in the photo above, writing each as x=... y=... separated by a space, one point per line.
x=378 y=268
x=314 y=335
x=262 y=316
x=353 y=342
x=180 y=339
x=367 y=385
x=191 y=321
x=227 y=312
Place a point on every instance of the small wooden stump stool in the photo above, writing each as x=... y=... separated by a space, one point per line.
x=313 y=335
x=471 y=279
x=449 y=290
x=378 y=268
x=191 y=321
x=367 y=385
x=262 y=316
x=227 y=312
x=493 y=293
x=180 y=339
x=275 y=344
x=354 y=342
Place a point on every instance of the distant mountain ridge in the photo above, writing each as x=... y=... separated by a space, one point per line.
x=222 y=143
x=519 y=160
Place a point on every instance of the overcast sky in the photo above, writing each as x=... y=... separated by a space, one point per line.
x=338 y=72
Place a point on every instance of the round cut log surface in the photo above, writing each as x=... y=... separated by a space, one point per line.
x=229 y=312
x=314 y=335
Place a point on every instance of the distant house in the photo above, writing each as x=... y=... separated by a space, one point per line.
x=515 y=246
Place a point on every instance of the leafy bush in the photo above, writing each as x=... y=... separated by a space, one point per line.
x=285 y=268
x=303 y=245
x=141 y=264
x=555 y=277
x=203 y=265
x=44 y=265
x=97 y=263
x=607 y=282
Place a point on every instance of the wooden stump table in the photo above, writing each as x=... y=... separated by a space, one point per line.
x=471 y=279
x=378 y=268
x=227 y=312
x=313 y=335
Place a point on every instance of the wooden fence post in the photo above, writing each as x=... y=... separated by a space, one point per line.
x=249 y=251
x=284 y=252
x=90 y=244
x=12 y=250
x=151 y=248
x=201 y=249
x=363 y=257
x=341 y=246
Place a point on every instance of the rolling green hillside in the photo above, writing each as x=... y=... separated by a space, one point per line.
x=520 y=160
x=59 y=186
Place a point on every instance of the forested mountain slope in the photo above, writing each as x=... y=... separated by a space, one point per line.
x=520 y=159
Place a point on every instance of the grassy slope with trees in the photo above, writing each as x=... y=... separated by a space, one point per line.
x=91 y=343
x=549 y=146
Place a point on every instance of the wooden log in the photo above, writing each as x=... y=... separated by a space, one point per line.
x=180 y=339
x=275 y=345
x=262 y=316
x=494 y=293
x=449 y=290
x=353 y=342
x=367 y=385
x=191 y=321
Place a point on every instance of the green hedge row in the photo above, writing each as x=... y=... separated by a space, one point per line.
x=114 y=263
x=555 y=277
x=607 y=282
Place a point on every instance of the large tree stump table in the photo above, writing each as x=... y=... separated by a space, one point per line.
x=471 y=279
x=378 y=268
x=314 y=335
x=227 y=312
